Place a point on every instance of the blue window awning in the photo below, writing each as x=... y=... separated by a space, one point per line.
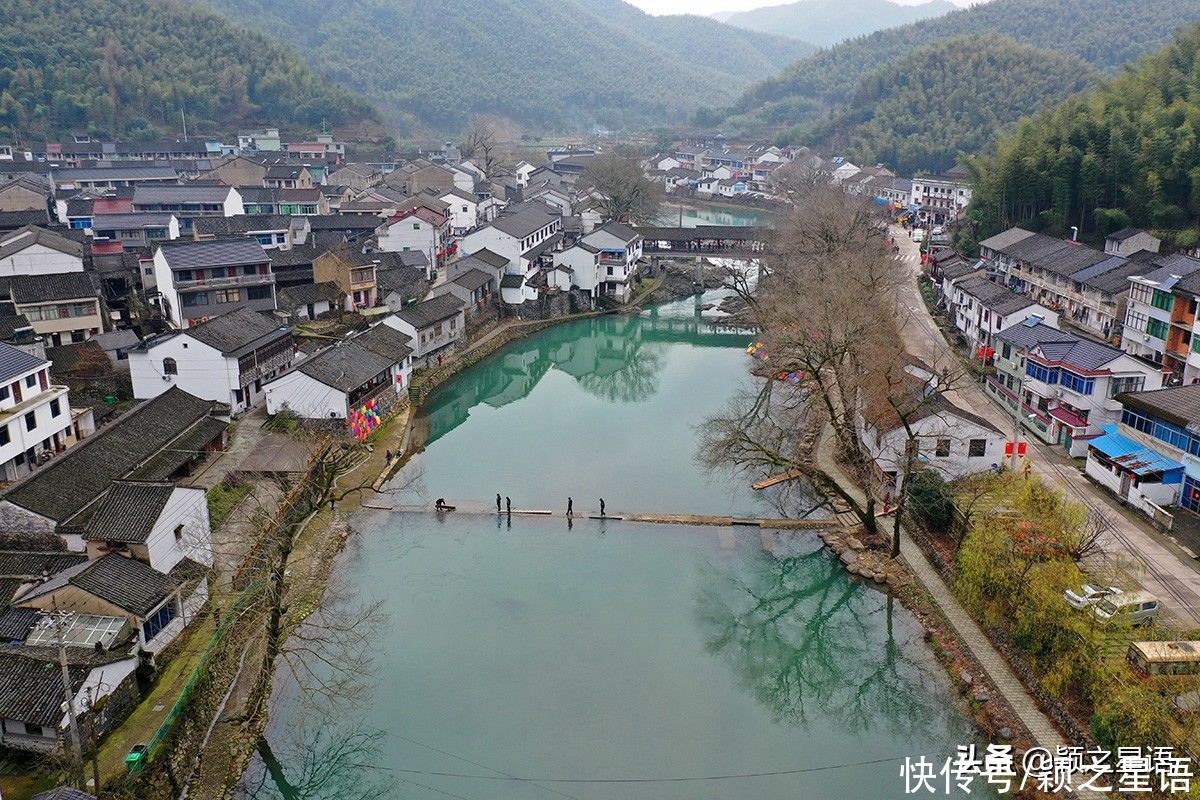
x=1132 y=456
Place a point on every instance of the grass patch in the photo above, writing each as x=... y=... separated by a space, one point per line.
x=223 y=498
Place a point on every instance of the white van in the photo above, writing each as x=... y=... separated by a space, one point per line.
x=1138 y=608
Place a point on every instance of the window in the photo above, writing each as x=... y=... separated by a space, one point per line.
x=184 y=275
x=195 y=299
x=1162 y=300
x=4 y=392
x=1041 y=373
x=258 y=293
x=1006 y=350
x=943 y=448
x=55 y=407
x=1157 y=328
x=1136 y=321
x=1077 y=383
x=4 y=437
x=977 y=448
x=229 y=295
x=170 y=367
x=178 y=533
x=30 y=381
x=148 y=271
x=33 y=730
x=416 y=226
x=30 y=421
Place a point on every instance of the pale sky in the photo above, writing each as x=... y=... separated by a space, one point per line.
x=713 y=6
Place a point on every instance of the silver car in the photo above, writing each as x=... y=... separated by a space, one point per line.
x=1138 y=608
x=1089 y=595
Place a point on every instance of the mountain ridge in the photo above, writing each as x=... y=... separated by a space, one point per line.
x=827 y=22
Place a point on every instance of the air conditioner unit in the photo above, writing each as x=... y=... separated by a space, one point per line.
x=1145 y=337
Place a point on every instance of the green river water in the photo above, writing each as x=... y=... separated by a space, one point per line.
x=603 y=652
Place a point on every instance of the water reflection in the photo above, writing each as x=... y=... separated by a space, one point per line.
x=618 y=359
x=808 y=644
x=316 y=759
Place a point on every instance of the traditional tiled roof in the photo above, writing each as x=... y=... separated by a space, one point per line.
x=135 y=219
x=12 y=220
x=345 y=366
x=153 y=194
x=386 y=341
x=74 y=479
x=25 y=289
x=244 y=223
x=30 y=235
x=15 y=362
x=998 y=299
x=31 y=564
x=1179 y=405
x=491 y=258
x=127 y=583
x=1001 y=241
x=17 y=622
x=1060 y=346
x=1124 y=233
x=522 y=220
x=473 y=279
x=68 y=358
x=427 y=312
x=294 y=297
x=128 y=512
x=218 y=253
x=234 y=330
x=33 y=685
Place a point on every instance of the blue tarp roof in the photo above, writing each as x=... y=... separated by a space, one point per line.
x=1131 y=455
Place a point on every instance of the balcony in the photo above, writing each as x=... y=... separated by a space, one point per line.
x=225 y=281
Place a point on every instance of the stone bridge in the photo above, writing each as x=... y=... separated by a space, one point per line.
x=728 y=241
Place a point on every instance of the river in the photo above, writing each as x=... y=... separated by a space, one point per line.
x=605 y=660
x=694 y=212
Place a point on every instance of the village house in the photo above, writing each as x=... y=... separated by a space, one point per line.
x=136 y=230
x=32 y=250
x=111 y=176
x=983 y=308
x=227 y=359
x=1160 y=322
x=159 y=440
x=951 y=441
x=1151 y=457
x=35 y=415
x=198 y=280
x=353 y=271
x=434 y=326
x=474 y=288
x=463 y=208
x=371 y=369
x=188 y=201
x=519 y=235
x=288 y=176
x=421 y=229
x=1128 y=241
x=24 y=193
x=581 y=263
x=1064 y=385
x=620 y=249
x=272 y=231
x=357 y=176
x=61 y=307
x=941 y=198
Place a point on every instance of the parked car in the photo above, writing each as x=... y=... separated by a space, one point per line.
x=1138 y=608
x=918 y=235
x=937 y=231
x=1089 y=595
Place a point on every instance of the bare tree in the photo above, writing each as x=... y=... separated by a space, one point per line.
x=624 y=191
x=481 y=142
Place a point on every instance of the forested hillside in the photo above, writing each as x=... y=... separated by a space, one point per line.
x=952 y=97
x=544 y=63
x=1125 y=153
x=127 y=67
x=1105 y=33
x=827 y=22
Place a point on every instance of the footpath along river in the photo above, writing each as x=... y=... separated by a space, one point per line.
x=608 y=660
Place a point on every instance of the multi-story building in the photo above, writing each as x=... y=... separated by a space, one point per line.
x=1065 y=386
x=620 y=249
x=35 y=415
x=135 y=230
x=226 y=359
x=1161 y=319
x=941 y=198
x=354 y=272
x=199 y=280
x=520 y=235
x=188 y=201
x=983 y=308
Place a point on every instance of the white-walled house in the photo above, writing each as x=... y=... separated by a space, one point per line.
x=37 y=251
x=464 y=210
x=620 y=249
x=339 y=381
x=35 y=415
x=519 y=235
x=226 y=359
x=434 y=326
x=200 y=280
x=420 y=229
x=582 y=261
x=983 y=308
x=156 y=522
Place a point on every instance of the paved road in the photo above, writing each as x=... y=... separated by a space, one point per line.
x=1160 y=564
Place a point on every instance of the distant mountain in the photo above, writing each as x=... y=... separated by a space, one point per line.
x=128 y=67
x=921 y=112
x=1104 y=33
x=549 y=64
x=827 y=22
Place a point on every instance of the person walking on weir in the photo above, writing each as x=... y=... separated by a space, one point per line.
x=508 y=505
x=497 y=502
x=570 y=507
x=602 y=506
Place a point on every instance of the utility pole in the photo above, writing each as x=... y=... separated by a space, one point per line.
x=93 y=745
x=68 y=693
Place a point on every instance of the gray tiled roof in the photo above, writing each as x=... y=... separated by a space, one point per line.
x=11 y=220
x=427 y=312
x=473 y=279
x=998 y=299
x=1061 y=346
x=22 y=238
x=16 y=623
x=126 y=583
x=234 y=330
x=244 y=223
x=219 y=253
x=134 y=220
x=150 y=194
x=345 y=366
x=128 y=512
x=491 y=258
x=386 y=341
x=524 y=219
x=349 y=222
x=957 y=269
x=1124 y=233
x=32 y=686
x=1176 y=404
x=294 y=297
x=15 y=362
x=74 y=479
x=31 y=564
x=114 y=173
x=25 y=289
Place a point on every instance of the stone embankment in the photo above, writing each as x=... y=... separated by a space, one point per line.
x=848 y=544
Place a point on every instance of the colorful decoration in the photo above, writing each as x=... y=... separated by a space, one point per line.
x=758 y=351
x=364 y=420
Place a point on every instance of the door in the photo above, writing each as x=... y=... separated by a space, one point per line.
x=1124 y=492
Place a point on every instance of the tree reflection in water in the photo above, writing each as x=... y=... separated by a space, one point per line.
x=797 y=632
x=316 y=758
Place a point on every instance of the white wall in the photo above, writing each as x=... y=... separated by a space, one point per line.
x=463 y=213
x=396 y=237
x=500 y=243
x=203 y=370
x=305 y=397
x=165 y=283
x=889 y=450
x=586 y=266
x=233 y=204
x=187 y=507
x=37 y=259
